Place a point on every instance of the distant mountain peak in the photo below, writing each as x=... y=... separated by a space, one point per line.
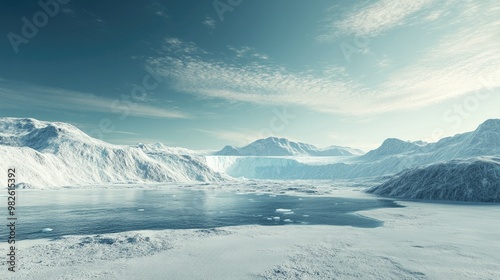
x=276 y=146
x=485 y=140
x=393 y=141
x=491 y=124
x=274 y=139
x=393 y=146
x=39 y=135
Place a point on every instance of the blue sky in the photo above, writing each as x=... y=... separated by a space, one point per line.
x=203 y=74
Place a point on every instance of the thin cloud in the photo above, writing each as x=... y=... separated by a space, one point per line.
x=467 y=60
x=247 y=52
x=450 y=69
x=256 y=83
x=372 y=19
x=158 y=9
x=130 y=140
x=120 y=132
x=83 y=17
x=252 y=82
x=209 y=22
x=51 y=98
x=177 y=46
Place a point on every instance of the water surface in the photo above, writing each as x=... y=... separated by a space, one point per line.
x=76 y=211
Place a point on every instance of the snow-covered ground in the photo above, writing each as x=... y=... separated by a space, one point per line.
x=421 y=241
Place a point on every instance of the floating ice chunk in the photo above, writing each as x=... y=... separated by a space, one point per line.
x=288 y=213
x=287 y=221
x=269 y=219
x=276 y=218
x=272 y=195
x=47 y=230
x=305 y=215
x=140 y=210
x=283 y=210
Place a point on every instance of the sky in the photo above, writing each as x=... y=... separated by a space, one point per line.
x=205 y=74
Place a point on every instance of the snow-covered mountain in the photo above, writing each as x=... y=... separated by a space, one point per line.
x=394 y=146
x=476 y=179
x=274 y=146
x=160 y=148
x=484 y=141
x=56 y=154
x=391 y=157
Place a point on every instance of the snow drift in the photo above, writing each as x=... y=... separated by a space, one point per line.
x=49 y=154
x=459 y=180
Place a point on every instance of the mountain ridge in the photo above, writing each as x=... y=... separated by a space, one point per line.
x=274 y=146
x=483 y=141
x=391 y=157
x=472 y=180
x=57 y=154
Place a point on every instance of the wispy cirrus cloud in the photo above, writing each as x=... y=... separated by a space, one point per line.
x=84 y=17
x=257 y=83
x=372 y=19
x=464 y=59
x=247 y=52
x=158 y=9
x=60 y=99
x=209 y=22
x=177 y=46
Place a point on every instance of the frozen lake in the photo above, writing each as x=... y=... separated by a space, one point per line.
x=94 y=211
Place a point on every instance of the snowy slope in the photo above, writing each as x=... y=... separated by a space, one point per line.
x=475 y=179
x=391 y=157
x=274 y=146
x=160 y=148
x=393 y=146
x=56 y=154
x=484 y=141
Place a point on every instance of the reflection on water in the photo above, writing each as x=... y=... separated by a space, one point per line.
x=70 y=212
